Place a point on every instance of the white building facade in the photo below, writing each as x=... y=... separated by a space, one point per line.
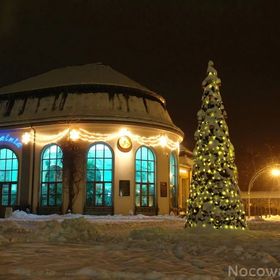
x=89 y=140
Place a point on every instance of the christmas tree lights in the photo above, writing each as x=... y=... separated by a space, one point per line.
x=214 y=193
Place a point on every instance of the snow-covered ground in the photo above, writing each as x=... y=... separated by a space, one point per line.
x=21 y=215
x=133 y=247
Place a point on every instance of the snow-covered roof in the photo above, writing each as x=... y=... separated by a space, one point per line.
x=89 y=74
x=92 y=92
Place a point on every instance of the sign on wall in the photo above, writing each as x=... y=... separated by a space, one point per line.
x=124 y=186
x=163 y=189
x=8 y=139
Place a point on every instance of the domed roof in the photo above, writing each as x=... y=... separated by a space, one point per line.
x=89 y=74
x=92 y=92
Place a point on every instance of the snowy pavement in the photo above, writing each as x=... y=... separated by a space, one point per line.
x=132 y=247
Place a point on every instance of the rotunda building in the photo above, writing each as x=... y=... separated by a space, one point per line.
x=87 y=139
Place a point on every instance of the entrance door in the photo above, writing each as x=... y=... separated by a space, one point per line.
x=145 y=195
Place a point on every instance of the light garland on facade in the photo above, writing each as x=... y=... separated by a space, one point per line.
x=81 y=134
x=43 y=138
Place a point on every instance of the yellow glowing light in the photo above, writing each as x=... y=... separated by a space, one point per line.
x=43 y=139
x=124 y=132
x=275 y=172
x=84 y=135
x=124 y=143
x=183 y=171
x=74 y=134
x=26 y=137
x=163 y=141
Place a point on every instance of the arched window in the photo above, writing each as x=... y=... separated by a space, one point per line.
x=173 y=181
x=99 y=176
x=51 y=176
x=8 y=177
x=145 y=177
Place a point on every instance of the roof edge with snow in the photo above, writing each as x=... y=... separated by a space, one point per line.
x=89 y=75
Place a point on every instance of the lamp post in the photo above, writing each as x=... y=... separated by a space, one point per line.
x=274 y=171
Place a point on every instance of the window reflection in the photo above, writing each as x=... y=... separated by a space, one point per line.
x=8 y=177
x=173 y=180
x=99 y=175
x=145 y=177
x=51 y=176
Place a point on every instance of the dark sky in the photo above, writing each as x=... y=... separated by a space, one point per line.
x=164 y=45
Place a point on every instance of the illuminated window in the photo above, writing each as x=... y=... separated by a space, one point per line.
x=8 y=177
x=173 y=180
x=145 y=177
x=51 y=176
x=99 y=176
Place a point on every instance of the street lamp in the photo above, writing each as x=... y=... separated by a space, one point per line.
x=274 y=171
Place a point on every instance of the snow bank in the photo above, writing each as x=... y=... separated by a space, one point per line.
x=130 y=247
x=275 y=218
x=21 y=215
x=68 y=230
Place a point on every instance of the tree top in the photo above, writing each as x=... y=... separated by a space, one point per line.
x=211 y=68
x=212 y=75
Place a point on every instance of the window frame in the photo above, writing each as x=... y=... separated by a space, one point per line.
x=145 y=184
x=94 y=182
x=11 y=182
x=49 y=183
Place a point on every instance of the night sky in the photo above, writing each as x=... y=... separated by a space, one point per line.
x=164 y=45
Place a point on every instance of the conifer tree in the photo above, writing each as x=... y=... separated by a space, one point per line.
x=214 y=192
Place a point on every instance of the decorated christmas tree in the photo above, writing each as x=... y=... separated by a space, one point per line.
x=214 y=193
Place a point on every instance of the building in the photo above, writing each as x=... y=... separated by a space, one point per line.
x=261 y=202
x=88 y=139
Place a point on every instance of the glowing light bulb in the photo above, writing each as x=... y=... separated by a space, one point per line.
x=74 y=135
x=124 y=132
x=163 y=141
x=26 y=138
x=275 y=172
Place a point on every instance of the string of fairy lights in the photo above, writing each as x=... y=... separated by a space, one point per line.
x=214 y=194
x=76 y=134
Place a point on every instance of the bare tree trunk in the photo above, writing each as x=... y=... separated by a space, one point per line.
x=73 y=154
